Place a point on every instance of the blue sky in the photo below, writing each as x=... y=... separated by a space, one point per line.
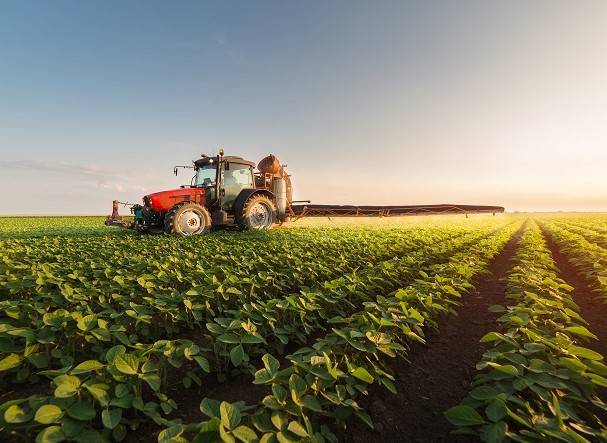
x=388 y=102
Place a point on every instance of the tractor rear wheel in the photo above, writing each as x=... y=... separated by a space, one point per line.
x=259 y=213
x=187 y=218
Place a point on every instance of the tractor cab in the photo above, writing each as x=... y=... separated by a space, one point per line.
x=224 y=179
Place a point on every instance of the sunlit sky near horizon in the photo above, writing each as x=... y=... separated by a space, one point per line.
x=386 y=102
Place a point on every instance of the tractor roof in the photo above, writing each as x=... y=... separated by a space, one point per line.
x=235 y=159
x=226 y=158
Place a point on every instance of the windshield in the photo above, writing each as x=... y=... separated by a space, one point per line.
x=206 y=175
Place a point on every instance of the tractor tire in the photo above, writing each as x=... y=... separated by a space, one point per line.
x=187 y=218
x=259 y=213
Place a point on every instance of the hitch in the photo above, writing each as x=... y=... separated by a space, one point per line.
x=116 y=219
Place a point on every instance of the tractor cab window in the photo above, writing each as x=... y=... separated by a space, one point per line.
x=238 y=175
x=206 y=175
x=235 y=177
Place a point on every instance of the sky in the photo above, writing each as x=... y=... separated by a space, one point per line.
x=386 y=102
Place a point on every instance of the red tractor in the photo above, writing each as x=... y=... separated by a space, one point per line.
x=225 y=191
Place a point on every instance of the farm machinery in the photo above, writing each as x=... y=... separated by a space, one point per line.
x=226 y=191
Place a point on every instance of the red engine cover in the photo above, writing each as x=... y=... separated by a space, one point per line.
x=164 y=200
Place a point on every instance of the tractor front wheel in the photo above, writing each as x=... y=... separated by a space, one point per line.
x=259 y=213
x=187 y=218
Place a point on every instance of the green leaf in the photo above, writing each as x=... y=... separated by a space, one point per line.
x=82 y=411
x=297 y=386
x=534 y=347
x=496 y=410
x=72 y=427
x=464 y=416
x=138 y=404
x=122 y=389
x=127 y=364
x=279 y=392
x=67 y=386
x=573 y=363
x=112 y=353
x=597 y=367
x=582 y=352
x=362 y=374
x=245 y=434
x=483 y=393
x=271 y=402
x=125 y=402
x=87 y=322
x=102 y=334
x=581 y=331
x=153 y=381
x=230 y=415
x=87 y=366
x=39 y=360
x=312 y=403
x=99 y=392
x=215 y=328
x=491 y=336
x=16 y=415
x=597 y=379
x=111 y=417
x=229 y=337
x=262 y=422
x=279 y=421
x=271 y=363
x=297 y=429
x=120 y=431
x=365 y=418
x=90 y=436
x=170 y=434
x=210 y=407
x=10 y=362
x=252 y=339
x=237 y=355
x=495 y=432
x=209 y=431
x=203 y=363
x=263 y=376
x=48 y=414
x=51 y=434
x=497 y=309
x=506 y=369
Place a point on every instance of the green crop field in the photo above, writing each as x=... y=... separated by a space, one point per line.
x=104 y=332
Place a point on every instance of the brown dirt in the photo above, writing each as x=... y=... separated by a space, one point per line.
x=440 y=373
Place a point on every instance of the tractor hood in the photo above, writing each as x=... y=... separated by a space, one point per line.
x=164 y=200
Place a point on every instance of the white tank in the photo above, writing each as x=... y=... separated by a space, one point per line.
x=280 y=191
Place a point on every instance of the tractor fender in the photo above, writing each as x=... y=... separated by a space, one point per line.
x=241 y=200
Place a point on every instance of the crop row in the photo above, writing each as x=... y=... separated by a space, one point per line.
x=325 y=379
x=113 y=386
x=55 y=320
x=537 y=383
x=36 y=227
x=589 y=231
x=583 y=252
